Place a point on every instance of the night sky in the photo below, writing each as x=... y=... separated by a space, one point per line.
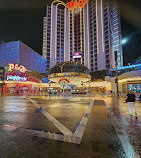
x=23 y=20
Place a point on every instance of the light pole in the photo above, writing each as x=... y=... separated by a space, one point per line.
x=116 y=81
x=123 y=41
x=89 y=86
x=2 y=73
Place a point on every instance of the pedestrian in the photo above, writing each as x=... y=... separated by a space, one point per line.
x=18 y=92
x=140 y=98
x=131 y=98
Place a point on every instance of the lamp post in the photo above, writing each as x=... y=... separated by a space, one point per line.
x=116 y=81
x=2 y=73
x=123 y=41
x=89 y=86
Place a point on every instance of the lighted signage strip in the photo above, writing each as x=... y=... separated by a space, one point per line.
x=127 y=67
x=130 y=79
x=76 y=57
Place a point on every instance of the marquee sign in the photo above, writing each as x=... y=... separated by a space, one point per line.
x=16 y=67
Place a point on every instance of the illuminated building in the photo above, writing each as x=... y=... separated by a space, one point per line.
x=19 y=53
x=129 y=78
x=90 y=28
x=72 y=72
x=74 y=77
x=23 y=68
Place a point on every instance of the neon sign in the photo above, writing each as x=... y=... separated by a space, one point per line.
x=126 y=67
x=16 y=67
x=20 y=77
x=76 y=4
x=77 y=55
x=16 y=78
x=72 y=4
x=63 y=80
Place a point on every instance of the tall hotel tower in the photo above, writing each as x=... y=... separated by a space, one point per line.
x=89 y=29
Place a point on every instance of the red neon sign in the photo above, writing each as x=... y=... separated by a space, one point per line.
x=76 y=4
x=16 y=67
x=63 y=79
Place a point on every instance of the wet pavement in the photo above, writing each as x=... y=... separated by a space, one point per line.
x=130 y=124
x=25 y=122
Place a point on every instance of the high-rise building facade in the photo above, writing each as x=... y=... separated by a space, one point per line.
x=92 y=31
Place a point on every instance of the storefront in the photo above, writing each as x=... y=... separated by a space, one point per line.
x=130 y=81
x=136 y=87
x=23 y=68
x=19 y=80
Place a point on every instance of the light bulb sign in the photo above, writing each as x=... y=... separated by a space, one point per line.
x=16 y=67
x=76 y=4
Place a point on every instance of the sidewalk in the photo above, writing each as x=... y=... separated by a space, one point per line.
x=131 y=125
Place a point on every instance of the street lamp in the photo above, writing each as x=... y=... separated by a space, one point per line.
x=124 y=41
x=116 y=81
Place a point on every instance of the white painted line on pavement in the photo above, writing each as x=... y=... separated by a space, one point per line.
x=67 y=135
x=128 y=148
x=43 y=134
x=80 y=129
x=55 y=122
x=9 y=128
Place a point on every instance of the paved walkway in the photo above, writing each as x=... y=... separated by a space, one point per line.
x=103 y=134
x=131 y=125
x=98 y=140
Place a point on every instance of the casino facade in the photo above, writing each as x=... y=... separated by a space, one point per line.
x=23 y=68
x=84 y=30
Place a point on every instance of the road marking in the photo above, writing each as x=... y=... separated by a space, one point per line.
x=72 y=138
x=55 y=122
x=128 y=148
x=81 y=127
x=66 y=135
x=43 y=134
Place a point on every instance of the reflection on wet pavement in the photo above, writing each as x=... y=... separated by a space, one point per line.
x=131 y=125
x=69 y=111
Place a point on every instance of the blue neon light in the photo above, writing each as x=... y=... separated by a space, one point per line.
x=139 y=61
x=19 y=53
x=127 y=67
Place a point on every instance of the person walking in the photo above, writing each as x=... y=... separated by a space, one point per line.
x=131 y=98
x=140 y=98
